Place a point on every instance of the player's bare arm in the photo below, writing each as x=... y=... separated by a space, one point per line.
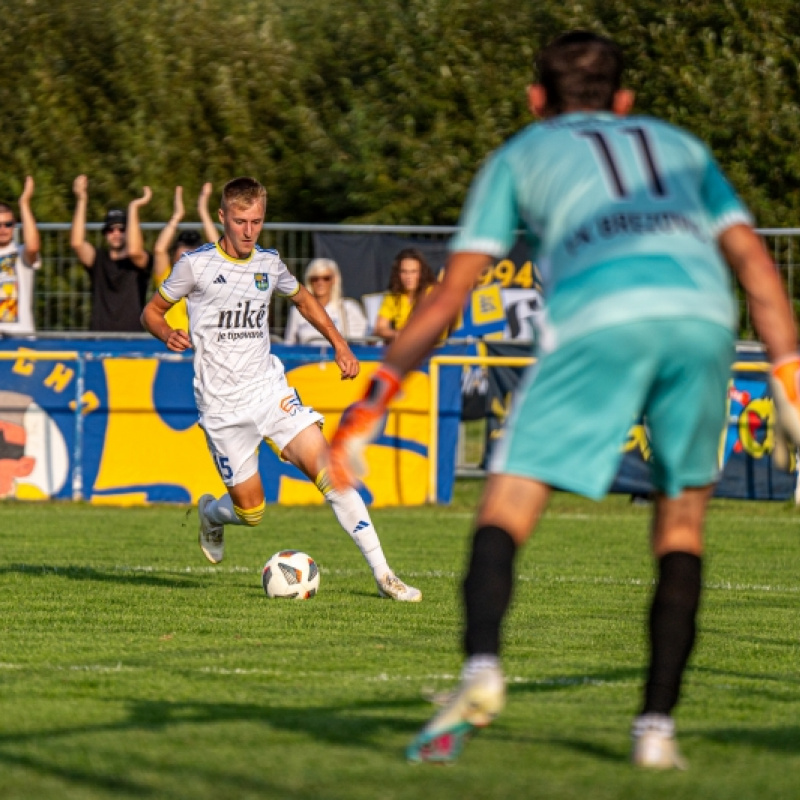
x=755 y=270
x=773 y=320
x=154 y=323
x=310 y=308
x=363 y=421
x=83 y=250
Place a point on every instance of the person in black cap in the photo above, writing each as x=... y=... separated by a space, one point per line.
x=120 y=271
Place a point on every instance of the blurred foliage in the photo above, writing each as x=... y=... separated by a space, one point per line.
x=372 y=111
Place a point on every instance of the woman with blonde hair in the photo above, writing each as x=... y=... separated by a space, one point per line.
x=324 y=281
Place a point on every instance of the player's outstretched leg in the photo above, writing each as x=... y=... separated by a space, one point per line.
x=211 y=535
x=477 y=701
x=353 y=516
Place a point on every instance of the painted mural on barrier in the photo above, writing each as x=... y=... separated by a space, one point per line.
x=136 y=438
x=34 y=462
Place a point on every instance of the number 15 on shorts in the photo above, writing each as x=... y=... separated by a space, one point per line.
x=223 y=466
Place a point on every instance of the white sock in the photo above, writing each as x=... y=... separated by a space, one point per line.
x=220 y=511
x=354 y=518
x=479 y=663
x=663 y=723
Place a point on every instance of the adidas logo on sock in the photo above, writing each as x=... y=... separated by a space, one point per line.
x=361 y=525
x=220 y=279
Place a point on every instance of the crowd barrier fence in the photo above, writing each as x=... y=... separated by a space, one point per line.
x=62 y=292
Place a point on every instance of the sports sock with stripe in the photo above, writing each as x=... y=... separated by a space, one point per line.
x=353 y=516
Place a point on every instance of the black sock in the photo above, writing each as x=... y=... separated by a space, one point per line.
x=487 y=589
x=672 y=629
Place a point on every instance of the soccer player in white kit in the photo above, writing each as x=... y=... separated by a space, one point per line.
x=240 y=388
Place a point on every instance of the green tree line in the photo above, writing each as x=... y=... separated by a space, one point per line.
x=372 y=111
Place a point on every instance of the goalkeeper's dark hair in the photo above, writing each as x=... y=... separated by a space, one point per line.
x=579 y=70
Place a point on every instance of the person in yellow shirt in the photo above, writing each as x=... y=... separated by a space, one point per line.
x=411 y=279
x=166 y=253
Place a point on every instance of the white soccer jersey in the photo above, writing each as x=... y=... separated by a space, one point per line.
x=228 y=304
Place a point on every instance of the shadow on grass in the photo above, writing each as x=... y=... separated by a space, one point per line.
x=782 y=740
x=125 y=577
x=785 y=740
x=371 y=726
x=558 y=683
x=591 y=748
x=352 y=725
x=114 y=784
x=776 y=687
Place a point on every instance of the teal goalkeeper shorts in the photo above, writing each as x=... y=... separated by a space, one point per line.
x=575 y=406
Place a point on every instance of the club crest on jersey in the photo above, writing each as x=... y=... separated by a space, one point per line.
x=262 y=281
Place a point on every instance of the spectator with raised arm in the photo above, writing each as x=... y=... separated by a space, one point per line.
x=324 y=280
x=119 y=271
x=18 y=262
x=168 y=249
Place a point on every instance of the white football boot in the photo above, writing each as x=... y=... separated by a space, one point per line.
x=476 y=702
x=211 y=536
x=392 y=587
x=654 y=745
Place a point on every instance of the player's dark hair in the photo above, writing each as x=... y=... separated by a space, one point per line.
x=426 y=276
x=5 y=208
x=580 y=70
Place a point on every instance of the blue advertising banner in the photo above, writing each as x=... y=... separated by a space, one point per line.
x=746 y=444
x=115 y=422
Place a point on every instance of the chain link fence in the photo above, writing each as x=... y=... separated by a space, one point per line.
x=62 y=300
x=62 y=294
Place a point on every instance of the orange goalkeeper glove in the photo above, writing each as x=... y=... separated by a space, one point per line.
x=361 y=424
x=785 y=381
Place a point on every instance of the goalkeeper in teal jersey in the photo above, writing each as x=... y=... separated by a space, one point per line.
x=634 y=228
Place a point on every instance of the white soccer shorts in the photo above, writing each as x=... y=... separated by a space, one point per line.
x=234 y=438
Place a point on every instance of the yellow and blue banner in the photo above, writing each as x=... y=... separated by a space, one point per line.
x=115 y=422
x=746 y=444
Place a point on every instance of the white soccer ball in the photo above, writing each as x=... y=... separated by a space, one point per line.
x=290 y=574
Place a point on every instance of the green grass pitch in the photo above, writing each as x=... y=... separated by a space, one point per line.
x=131 y=668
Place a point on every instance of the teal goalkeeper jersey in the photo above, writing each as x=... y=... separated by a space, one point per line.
x=622 y=216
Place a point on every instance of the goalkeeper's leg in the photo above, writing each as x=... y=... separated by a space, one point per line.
x=507 y=515
x=677 y=547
